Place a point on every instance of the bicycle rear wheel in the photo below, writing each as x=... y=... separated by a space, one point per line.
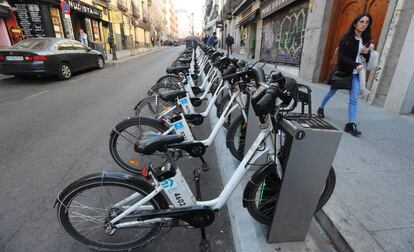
x=86 y=208
x=162 y=88
x=262 y=194
x=123 y=137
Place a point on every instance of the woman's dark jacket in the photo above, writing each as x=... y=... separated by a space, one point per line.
x=347 y=52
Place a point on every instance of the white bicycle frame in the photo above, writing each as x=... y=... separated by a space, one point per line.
x=236 y=101
x=251 y=156
x=212 y=101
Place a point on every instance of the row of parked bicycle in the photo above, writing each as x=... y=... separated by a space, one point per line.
x=119 y=211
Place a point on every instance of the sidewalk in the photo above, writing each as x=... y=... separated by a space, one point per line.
x=125 y=55
x=372 y=205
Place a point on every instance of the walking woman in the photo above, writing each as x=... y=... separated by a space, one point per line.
x=354 y=44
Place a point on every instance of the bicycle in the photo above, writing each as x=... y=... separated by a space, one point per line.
x=160 y=197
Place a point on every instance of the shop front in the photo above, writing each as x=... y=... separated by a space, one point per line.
x=283 y=31
x=9 y=30
x=104 y=25
x=84 y=17
x=248 y=27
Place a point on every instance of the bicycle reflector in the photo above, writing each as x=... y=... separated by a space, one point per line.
x=133 y=163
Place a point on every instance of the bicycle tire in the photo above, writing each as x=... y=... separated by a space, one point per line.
x=125 y=134
x=153 y=106
x=221 y=104
x=73 y=221
x=268 y=178
x=236 y=137
x=162 y=87
x=169 y=78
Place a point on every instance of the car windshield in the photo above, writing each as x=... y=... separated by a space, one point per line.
x=32 y=44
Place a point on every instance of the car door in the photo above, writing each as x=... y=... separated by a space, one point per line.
x=68 y=54
x=83 y=54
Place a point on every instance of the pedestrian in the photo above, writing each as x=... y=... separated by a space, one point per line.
x=152 y=41
x=229 y=44
x=212 y=40
x=205 y=39
x=83 y=37
x=353 y=44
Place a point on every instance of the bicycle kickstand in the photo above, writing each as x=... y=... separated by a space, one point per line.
x=204 y=244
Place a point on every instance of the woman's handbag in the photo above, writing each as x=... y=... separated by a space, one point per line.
x=373 y=60
x=341 y=81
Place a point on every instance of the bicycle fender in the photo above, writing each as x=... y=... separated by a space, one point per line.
x=139 y=103
x=107 y=176
x=253 y=177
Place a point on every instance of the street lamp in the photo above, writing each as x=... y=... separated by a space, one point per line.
x=192 y=23
x=111 y=38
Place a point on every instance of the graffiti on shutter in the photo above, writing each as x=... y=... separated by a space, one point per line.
x=283 y=35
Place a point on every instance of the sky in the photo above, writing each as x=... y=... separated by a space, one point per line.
x=192 y=6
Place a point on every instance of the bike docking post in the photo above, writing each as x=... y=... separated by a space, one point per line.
x=310 y=148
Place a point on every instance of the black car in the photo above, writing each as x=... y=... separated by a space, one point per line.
x=49 y=56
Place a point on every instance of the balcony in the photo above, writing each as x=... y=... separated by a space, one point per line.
x=145 y=18
x=122 y=5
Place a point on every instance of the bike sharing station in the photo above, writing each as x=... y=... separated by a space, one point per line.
x=310 y=147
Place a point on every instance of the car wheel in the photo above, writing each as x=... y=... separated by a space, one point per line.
x=65 y=71
x=101 y=62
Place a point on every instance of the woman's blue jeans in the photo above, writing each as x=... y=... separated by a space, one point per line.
x=353 y=98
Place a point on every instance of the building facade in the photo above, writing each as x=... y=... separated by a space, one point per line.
x=300 y=36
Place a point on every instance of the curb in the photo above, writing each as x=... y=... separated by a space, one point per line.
x=129 y=57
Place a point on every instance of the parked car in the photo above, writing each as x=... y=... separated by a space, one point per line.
x=49 y=56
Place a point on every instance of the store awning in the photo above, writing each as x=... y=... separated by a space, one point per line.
x=211 y=24
x=250 y=18
x=242 y=6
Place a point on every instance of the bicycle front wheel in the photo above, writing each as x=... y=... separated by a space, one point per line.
x=123 y=137
x=264 y=189
x=86 y=209
x=236 y=137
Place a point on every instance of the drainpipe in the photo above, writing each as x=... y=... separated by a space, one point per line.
x=386 y=50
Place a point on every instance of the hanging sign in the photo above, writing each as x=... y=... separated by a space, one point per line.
x=65 y=7
x=271 y=6
x=86 y=9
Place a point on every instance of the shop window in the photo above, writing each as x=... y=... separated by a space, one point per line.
x=95 y=29
x=57 y=23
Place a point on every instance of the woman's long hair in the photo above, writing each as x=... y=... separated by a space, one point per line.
x=366 y=35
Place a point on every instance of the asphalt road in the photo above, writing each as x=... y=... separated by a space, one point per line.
x=53 y=132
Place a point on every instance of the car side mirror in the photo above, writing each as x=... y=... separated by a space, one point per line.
x=88 y=49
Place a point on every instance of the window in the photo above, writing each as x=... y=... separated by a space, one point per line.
x=65 y=45
x=77 y=45
x=32 y=44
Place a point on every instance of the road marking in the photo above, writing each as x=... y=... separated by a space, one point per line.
x=77 y=79
x=37 y=94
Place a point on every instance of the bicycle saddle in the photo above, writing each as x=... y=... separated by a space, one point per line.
x=151 y=142
x=171 y=96
x=177 y=69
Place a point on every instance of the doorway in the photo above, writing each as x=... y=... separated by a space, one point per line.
x=252 y=40
x=343 y=13
x=78 y=23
